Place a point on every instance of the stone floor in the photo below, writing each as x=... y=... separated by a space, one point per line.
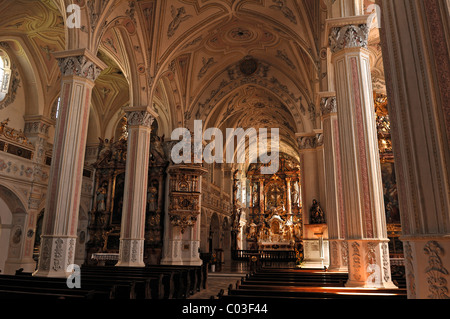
x=227 y=274
x=221 y=278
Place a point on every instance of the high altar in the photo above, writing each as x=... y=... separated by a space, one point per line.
x=274 y=221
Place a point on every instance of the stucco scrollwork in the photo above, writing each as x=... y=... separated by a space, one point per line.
x=349 y=36
x=79 y=66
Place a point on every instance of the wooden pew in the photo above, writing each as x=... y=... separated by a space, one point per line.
x=187 y=279
x=171 y=281
x=191 y=276
x=147 y=286
x=26 y=294
x=120 y=287
x=51 y=288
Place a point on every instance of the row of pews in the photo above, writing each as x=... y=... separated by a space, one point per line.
x=110 y=282
x=290 y=284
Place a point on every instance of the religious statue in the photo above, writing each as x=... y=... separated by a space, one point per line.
x=251 y=233
x=3 y=125
x=271 y=201
x=237 y=189
x=255 y=195
x=101 y=198
x=236 y=219
x=105 y=150
x=294 y=195
x=157 y=152
x=317 y=215
x=297 y=233
x=152 y=198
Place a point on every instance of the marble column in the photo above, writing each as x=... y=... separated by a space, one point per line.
x=79 y=69
x=132 y=231
x=415 y=47
x=333 y=184
x=365 y=221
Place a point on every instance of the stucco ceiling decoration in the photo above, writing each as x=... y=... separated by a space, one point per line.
x=111 y=91
x=251 y=103
x=214 y=37
x=41 y=27
x=257 y=108
x=232 y=78
x=239 y=35
x=376 y=62
x=191 y=51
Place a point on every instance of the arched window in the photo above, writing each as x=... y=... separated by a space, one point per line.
x=58 y=104
x=5 y=74
x=55 y=109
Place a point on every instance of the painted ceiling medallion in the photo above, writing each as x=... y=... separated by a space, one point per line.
x=248 y=66
x=241 y=34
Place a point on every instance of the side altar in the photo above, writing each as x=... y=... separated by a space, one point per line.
x=106 y=215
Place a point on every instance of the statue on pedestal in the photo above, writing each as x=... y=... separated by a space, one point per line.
x=317 y=215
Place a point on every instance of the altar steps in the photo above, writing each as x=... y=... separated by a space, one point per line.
x=268 y=284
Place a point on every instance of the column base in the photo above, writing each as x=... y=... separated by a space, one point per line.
x=338 y=255
x=427 y=267
x=369 y=265
x=57 y=253
x=131 y=253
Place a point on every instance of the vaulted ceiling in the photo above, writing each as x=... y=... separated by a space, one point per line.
x=230 y=63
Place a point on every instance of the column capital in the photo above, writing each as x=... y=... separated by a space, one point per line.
x=80 y=63
x=310 y=141
x=140 y=116
x=328 y=105
x=348 y=36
